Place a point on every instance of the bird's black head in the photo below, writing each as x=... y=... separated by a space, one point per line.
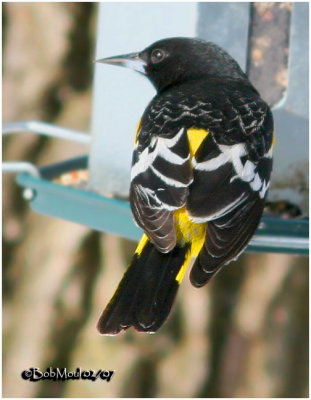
x=176 y=60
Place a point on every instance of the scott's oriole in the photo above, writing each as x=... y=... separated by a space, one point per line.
x=200 y=175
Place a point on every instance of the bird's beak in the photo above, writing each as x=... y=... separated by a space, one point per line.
x=131 y=60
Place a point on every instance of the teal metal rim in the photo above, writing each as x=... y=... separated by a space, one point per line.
x=274 y=235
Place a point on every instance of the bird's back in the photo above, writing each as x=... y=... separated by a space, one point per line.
x=226 y=131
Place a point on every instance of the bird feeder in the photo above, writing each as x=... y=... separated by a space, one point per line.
x=119 y=98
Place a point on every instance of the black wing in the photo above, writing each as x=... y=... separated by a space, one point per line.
x=231 y=178
x=160 y=177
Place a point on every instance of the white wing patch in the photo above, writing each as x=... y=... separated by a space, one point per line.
x=162 y=148
x=169 y=181
x=246 y=172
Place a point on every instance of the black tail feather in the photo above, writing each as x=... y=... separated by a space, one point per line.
x=146 y=293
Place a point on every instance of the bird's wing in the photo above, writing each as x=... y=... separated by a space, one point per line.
x=231 y=177
x=160 y=177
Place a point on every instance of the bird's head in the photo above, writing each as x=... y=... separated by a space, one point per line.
x=175 y=60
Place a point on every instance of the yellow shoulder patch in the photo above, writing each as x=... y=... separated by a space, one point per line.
x=137 y=132
x=195 y=138
x=273 y=140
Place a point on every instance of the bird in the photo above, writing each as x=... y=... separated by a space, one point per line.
x=200 y=174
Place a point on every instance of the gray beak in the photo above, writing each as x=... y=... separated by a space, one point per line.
x=131 y=60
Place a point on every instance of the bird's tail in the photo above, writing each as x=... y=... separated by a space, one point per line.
x=146 y=293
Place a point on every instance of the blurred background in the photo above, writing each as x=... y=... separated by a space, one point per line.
x=244 y=335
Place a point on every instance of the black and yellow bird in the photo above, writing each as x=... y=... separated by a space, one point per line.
x=200 y=175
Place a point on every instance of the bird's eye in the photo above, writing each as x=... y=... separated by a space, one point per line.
x=157 y=56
